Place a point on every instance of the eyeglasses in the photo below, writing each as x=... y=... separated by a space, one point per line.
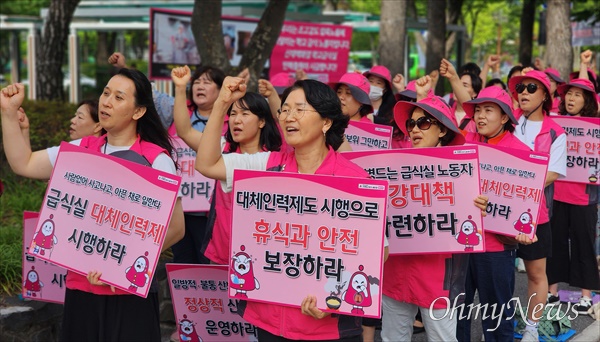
x=531 y=88
x=424 y=123
x=298 y=113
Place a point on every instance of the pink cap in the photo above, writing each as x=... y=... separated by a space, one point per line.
x=495 y=95
x=437 y=108
x=580 y=83
x=281 y=81
x=380 y=71
x=554 y=74
x=533 y=74
x=358 y=84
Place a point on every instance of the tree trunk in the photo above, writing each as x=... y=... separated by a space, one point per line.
x=392 y=35
x=264 y=39
x=526 y=32
x=51 y=51
x=559 y=53
x=208 y=33
x=436 y=38
x=454 y=15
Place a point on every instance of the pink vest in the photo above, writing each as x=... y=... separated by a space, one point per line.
x=149 y=151
x=576 y=193
x=289 y=322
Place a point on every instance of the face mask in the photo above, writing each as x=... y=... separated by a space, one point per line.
x=375 y=93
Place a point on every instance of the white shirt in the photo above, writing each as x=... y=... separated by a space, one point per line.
x=558 y=150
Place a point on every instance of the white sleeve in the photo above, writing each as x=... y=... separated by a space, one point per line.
x=386 y=242
x=53 y=151
x=256 y=161
x=164 y=163
x=558 y=156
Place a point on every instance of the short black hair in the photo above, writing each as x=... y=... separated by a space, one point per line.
x=326 y=102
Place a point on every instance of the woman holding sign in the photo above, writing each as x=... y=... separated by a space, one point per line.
x=252 y=129
x=573 y=259
x=313 y=124
x=93 y=310
x=492 y=114
x=413 y=283
x=540 y=133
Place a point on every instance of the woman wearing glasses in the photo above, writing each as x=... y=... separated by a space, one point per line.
x=412 y=283
x=251 y=129
x=313 y=124
x=540 y=133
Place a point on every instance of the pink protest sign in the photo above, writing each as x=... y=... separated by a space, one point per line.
x=196 y=190
x=42 y=280
x=203 y=310
x=431 y=197
x=583 y=148
x=364 y=136
x=321 y=50
x=514 y=181
x=294 y=235
x=107 y=214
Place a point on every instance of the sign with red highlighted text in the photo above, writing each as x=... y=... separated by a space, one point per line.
x=107 y=214
x=514 y=182
x=203 y=309
x=295 y=235
x=364 y=136
x=42 y=280
x=583 y=148
x=196 y=190
x=431 y=197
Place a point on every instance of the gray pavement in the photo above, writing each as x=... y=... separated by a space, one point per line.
x=587 y=330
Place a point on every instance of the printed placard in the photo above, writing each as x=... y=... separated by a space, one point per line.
x=308 y=234
x=583 y=148
x=104 y=213
x=42 y=280
x=431 y=197
x=196 y=190
x=514 y=182
x=321 y=50
x=364 y=136
x=203 y=309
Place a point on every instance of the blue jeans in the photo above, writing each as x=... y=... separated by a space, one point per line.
x=492 y=274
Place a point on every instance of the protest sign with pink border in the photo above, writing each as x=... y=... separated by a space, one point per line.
x=203 y=309
x=364 y=136
x=583 y=148
x=514 y=181
x=431 y=197
x=42 y=280
x=294 y=235
x=196 y=190
x=107 y=214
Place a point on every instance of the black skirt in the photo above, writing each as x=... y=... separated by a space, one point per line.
x=91 y=317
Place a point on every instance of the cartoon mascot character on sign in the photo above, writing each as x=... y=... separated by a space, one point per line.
x=242 y=276
x=32 y=284
x=524 y=225
x=44 y=238
x=358 y=293
x=137 y=273
x=468 y=234
x=187 y=331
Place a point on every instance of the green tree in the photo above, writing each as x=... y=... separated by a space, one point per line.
x=23 y=7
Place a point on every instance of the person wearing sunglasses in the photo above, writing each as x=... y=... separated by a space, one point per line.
x=491 y=112
x=313 y=124
x=540 y=133
x=430 y=123
x=575 y=213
